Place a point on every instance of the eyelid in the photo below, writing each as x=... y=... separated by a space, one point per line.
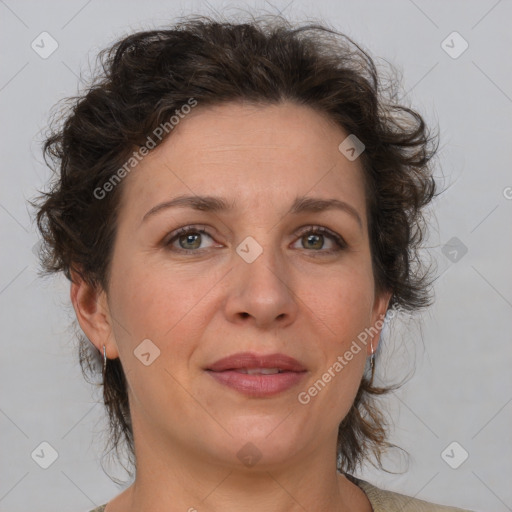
x=308 y=228
x=322 y=230
x=199 y=228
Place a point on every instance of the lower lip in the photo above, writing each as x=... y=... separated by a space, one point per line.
x=258 y=385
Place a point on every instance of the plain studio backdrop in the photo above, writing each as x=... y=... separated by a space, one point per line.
x=453 y=416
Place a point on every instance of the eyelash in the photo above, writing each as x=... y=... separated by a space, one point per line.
x=314 y=230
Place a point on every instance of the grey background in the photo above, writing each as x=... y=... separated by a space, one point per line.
x=461 y=389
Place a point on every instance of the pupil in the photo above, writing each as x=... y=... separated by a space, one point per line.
x=188 y=239
x=312 y=237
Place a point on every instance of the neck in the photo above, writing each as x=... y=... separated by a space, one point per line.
x=176 y=479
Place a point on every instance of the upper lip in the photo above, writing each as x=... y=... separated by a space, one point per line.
x=252 y=360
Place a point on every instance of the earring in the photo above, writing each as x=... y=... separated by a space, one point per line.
x=372 y=362
x=104 y=360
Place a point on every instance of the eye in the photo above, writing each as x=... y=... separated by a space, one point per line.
x=189 y=239
x=313 y=237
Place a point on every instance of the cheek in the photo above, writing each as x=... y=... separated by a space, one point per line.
x=344 y=313
x=152 y=301
x=343 y=302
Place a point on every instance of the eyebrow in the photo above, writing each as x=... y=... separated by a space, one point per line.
x=219 y=204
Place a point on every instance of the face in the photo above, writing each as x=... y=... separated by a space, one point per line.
x=253 y=278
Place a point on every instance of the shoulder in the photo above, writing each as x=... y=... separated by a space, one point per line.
x=101 y=508
x=384 y=501
x=388 y=501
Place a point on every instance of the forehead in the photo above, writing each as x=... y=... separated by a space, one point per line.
x=251 y=154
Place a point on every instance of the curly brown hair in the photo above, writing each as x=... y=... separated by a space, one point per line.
x=149 y=75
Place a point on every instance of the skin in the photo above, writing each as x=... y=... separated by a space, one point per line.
x=295 y=298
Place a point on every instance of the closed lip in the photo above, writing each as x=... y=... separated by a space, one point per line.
x=252 y=360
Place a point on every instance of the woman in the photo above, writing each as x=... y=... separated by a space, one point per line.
x=237 y=208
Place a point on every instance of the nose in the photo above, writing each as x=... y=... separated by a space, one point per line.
x=261 y=288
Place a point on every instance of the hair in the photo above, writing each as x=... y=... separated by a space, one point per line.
x=149 y=75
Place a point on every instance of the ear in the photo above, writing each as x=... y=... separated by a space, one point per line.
x=380 y=306
x=93 y=314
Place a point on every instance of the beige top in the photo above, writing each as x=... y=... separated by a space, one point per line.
x=384 y=501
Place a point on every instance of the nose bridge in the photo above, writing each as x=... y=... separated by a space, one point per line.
x=261 y=284
x=260 y=255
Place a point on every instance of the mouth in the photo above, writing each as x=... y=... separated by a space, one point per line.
x=246 y=362
x=257 y=371
x=258 y=376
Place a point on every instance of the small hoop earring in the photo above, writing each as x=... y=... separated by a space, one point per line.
x=104 y=361
x=372 y=363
